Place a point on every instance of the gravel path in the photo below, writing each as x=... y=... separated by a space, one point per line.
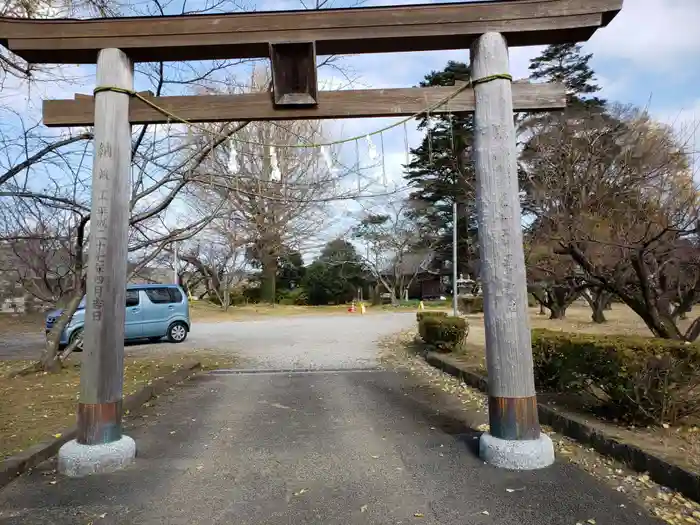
x=319 y=342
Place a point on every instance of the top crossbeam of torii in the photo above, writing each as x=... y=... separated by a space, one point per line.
x=292 y=40
x=335 y=31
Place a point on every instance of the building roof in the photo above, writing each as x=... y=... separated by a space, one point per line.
x=413 y=263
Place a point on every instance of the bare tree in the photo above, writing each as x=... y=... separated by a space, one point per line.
x=216 y=258
x=612 y=193
x=44 y=202
x=553 y=282
x=276 y=192
x=393 y=245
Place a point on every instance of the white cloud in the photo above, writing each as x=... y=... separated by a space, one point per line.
x=657 y=34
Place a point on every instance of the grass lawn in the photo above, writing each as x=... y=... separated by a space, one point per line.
x=21 y=323
x=36 y=407
x=205 y=311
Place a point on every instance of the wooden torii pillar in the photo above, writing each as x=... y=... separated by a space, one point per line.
x=514 y=440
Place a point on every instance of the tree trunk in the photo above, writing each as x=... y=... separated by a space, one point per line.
x=693 y=331
x=269 y=277
x=646 y=307
x=598 y=298
x=226 y=302
x=542 y=312
x=665 y=329
x=598 y=316
x=376 y=296
x=209 y=275
x=394 y=297
x=557 y=311
x=49 y=361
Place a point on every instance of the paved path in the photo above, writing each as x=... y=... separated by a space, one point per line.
x=312 y=448
x=280 y=342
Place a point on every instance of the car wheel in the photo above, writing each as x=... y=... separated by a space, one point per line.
x=177 y=332
x=77 y=336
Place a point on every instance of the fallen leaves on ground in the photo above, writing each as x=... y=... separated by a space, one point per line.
x=36 y=407
x=660 y=501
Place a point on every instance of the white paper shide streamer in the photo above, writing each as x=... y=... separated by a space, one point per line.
x=373 y=155
x=276 y=174
x=327 y=158
x=232 y=158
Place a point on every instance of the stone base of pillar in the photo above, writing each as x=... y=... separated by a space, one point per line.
x=509 y=454
x=76 y=460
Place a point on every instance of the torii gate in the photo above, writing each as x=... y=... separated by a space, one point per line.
x=291 y=39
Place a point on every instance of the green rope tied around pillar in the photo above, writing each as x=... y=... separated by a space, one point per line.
x=490 y=78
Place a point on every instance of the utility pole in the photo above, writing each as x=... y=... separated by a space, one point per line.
x=454 y=259
x=514 y=440
x=100 y=445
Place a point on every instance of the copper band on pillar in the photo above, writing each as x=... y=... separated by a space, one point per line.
x=514 y=418
x=99 y=423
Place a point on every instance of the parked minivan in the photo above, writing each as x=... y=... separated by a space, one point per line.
x=153 y=311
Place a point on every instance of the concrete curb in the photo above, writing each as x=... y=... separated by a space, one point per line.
x=660 y=470
x=15 y=465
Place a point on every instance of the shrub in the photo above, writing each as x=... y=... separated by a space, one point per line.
x=445 y=334
x=637 y=379
x=470 y=305
x=427 y=313
x=297 y=296
x=531 y=301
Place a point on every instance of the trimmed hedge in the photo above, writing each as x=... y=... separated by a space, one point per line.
x=637 y=379
x=423 y=314
x=444 y=333
x=470 y=305
x=428 y=313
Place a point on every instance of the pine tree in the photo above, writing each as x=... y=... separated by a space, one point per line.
x=440 y=171
x=564 y=63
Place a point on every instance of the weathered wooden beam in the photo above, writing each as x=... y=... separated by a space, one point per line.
x=335 y=31
x=294 y=78
x=331 y=105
